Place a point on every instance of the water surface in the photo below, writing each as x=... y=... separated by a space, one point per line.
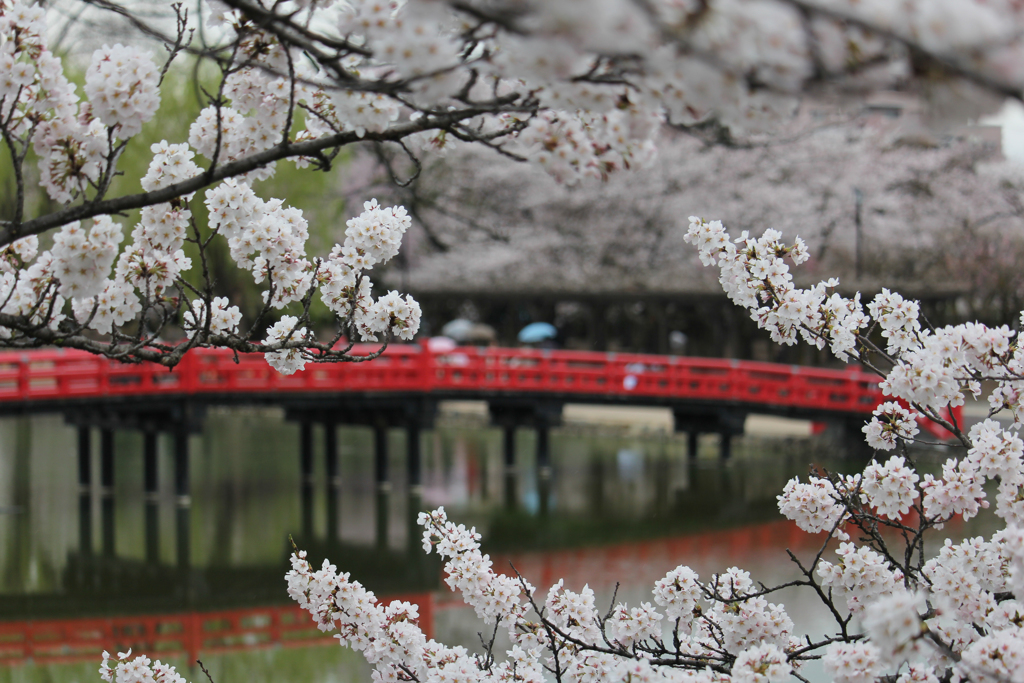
x=618 y=508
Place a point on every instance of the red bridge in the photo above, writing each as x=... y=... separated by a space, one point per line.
x=523 y=388
x=37 y=378
x=705 y=394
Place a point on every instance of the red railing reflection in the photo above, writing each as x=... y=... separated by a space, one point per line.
x=186 y=634
x=641 y=563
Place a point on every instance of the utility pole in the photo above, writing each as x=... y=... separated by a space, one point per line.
x=858 y=198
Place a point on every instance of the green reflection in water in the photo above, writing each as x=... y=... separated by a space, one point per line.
x=605 y=489
x=323 y=664
x=246 y=503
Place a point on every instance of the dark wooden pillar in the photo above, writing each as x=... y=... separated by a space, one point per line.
x=306 y=476
x=413 y=456
x=85 y=490
x=380 y=457
x=383 y=520
x=692 y=440
x=725 y=445
x=151 y=489
x=107 y=491
x=333 y=474
x=183 y=497
x=509 y=447
x=543 y=451
x=544 y=495
x=511 y=489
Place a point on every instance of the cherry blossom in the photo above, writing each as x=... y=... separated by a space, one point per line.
x=890 y=488
x=899 y=423
x=581 y=88
x=122 y=85
x=137 y=670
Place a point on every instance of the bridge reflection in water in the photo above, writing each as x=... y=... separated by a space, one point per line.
x=192 y=634
x=614 y=508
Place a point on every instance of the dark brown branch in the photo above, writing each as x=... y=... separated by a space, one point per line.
x=12 y=231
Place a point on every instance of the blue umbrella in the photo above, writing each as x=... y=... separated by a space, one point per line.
x=537 y=332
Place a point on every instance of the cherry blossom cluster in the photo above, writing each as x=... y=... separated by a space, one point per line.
x=106 y=284
x=893 y=623
x=890 y=423
x=286 y=361
x=890 y=488
x=581 y=87
x=591 y=79
x=930 y=369
x=122 y=84
x=575 y=147
x=276 y=234
x=862 y=575
x=83 y=259
x=224 y=318
x=956 y=613
x=814 y=506
x=255 y=123
x=761 y=664
x=856 y=662
x=39 y=107
x=141 y=669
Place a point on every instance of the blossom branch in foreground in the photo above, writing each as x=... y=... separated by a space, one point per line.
x=954 y=615
x=580 y=87
x=900 y=614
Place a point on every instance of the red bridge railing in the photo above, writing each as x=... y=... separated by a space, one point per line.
x=39 y=375
x=68 y=374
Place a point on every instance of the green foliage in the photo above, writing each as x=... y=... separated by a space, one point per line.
x=182 y=98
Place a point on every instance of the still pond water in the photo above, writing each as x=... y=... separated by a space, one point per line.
x=617 y=508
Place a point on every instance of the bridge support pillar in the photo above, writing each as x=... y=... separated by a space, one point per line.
x=415 y=413
x=509 y=447
x=333 y=474
x=511 y=489
x=107 y=491
x=726 y=422
x=85 y=490
x=383 y=521
x=380 y=457
x=543 y=452
x=414 y=458
x=306 y=477
x=183 y=497
x=151 y=488
x=544 y=494
x=176 y=417
x=541 y=414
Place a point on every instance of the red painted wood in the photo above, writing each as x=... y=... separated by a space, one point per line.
x=65 y=373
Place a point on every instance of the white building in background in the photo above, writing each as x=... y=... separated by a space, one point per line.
x=1010 y=120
